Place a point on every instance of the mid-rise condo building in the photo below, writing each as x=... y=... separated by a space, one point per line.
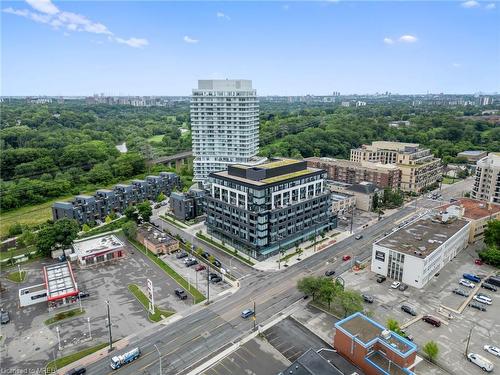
x=487 y=179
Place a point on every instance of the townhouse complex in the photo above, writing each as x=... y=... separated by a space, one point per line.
x=487 y=179
x=265 y=209
x=95 y=208
x=224 y=125
x=419 y=168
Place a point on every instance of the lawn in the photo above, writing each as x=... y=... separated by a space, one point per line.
x=449 y=180
x=64 y=315
x=198 y=297
x=12 y=253
x=156 y=138
x=116 y=224
x=52 y=366
x=141 y=297
x=17 y=277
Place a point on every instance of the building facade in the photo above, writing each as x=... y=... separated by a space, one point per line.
x=342 y=203
x=373 y=348
x=189 y=205
x=224 y=125
x=98 y=250
x=266 y=209
x=363 y=193
x=95 y=208
x=414 y=253
x=353 y=172
x=478 y=213
x=486 y=185
x=156 y=241
x=419 y=168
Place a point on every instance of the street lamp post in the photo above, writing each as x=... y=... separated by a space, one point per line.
x=279 y=251
x=159 y=356
x=19 y=270
x=109 y=328
x=58 y=338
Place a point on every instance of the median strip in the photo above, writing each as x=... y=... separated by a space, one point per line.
x=141 y=297
x=52 y=366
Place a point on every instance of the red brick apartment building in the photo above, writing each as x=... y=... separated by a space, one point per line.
x=373 y=348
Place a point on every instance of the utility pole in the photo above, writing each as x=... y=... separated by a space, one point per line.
x=58 y=338
x=208 y=284
x=468 y=341
x=159 y=355
x=109 y=329
x=254 y=316
x=279 y=252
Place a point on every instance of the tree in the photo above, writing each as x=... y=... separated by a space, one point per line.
x=351 y=301
x=130 y=229
x=393 y=325
x=310 y=286
x=327 y=292
x=145 y=211
x=108 y=219
x=131 y=213
x=431 y=349
x=15 y=229
x=492 y=233
x=299 y=252
x=61 y=232
x=199 y=251
x=85 y=227
x=211 y=259
x=26 y=239
x=161 y=197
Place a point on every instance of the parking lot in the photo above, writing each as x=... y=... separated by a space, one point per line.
x=27 y=338
x=452 y=336
x=197 y=278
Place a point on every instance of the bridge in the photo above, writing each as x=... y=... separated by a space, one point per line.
x=175 y=161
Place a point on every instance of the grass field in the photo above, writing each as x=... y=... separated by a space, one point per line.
x=141 y=297
x=64 y=361
x=16 y=277
x=156 y=138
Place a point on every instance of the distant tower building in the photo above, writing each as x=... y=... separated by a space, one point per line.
x=224 y=125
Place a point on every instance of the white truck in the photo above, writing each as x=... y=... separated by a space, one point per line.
x=121 y=360
x=480 y=361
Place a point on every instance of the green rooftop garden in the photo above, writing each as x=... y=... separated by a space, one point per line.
x=287 y=176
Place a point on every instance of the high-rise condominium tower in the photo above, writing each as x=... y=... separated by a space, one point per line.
x=224 y=125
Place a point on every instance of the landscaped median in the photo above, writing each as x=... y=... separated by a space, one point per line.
x=64 y=315
x=198 y=297
x=225 y=249
x=16 y=277
x=141 y=297
x=52 y=366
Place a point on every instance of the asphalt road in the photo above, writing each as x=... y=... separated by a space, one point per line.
x=208 y=330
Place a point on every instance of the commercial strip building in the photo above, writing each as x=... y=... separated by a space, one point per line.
x=59 y=287
x=486 y=185
x=224 y=125
x=267 y=208
x=156 y=241
x=419 y=168
x=354 y=172
x=372 y=347
x=478 y=213
x=363 y=192
x=189 y=205
x=98 y=250
x=414 y=253
x=95 y=208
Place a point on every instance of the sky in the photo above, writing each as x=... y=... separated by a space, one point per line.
x=285 y=48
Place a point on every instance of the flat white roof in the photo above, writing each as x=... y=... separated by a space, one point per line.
x=97 y=245
x=59 y=281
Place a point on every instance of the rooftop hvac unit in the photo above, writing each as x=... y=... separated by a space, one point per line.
x=386 y=334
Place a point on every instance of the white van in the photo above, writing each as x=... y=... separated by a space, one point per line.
x=480 y=361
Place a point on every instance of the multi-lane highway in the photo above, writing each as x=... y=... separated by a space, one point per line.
x=208 y=330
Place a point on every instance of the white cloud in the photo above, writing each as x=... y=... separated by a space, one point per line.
x=47 y=13
x=490 y=6
x=456 y=65
x=470 y=4
x=222 y=15
x=190 y=40
x=407 y=39
x=44 y=6
x=388 y=41
x=133 y=42
x=286 y=7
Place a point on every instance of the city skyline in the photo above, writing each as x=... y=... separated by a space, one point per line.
x=81 y=48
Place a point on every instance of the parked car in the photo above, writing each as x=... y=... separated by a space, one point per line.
x=359 y=236
x=191 y=262
x=467 y=283
x=395 y=284
x=84 y=294
x=471 y=277
x=367 y=298
x=205 y=255
x=494 y=280
x=181 y=294
x=200 y=267
x=477 y=306
x=181 y=255
x=406 y=335
x=481 y=300
x=408 y=309
x=381 y=278
x=188 y=259
x=485 y=296
x=480 y=361
x=4 y=317
x=488 y=286
x=431 y=320
x=461 y=292
x=492 y=350
x=216 y=280
x=329 y=272
x=346 y=258
x=403 y=287
x=247 y=313
x=77 y=371
x=479 y=262
x=216 y=263
x=212 y=275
